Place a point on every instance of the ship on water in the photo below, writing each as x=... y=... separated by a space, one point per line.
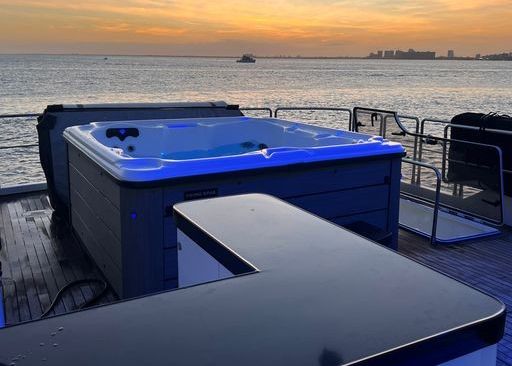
x=247 y=58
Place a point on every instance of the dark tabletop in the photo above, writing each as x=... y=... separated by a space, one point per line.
x=317 y=295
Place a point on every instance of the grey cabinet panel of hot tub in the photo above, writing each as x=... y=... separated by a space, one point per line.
x=143 y=255
x=340 y=176
x=101 y=233
x=103 y=207
x=96 y=218
x=312 y=189
x=343 y=192
x=97 y=251
x=95 y=175
x=170 y=263
x=345 y=202
x=377 y=218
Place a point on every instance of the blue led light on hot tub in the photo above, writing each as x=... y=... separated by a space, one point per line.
x=181 y=125
x=222 y=150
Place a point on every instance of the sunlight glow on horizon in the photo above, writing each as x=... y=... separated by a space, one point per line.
x=278 y=27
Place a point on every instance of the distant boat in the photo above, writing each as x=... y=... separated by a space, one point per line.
x=247 y=59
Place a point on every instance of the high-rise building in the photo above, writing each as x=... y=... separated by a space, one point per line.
x=415 y=55
x=478 y=56
x=451 y=54
x=389 y=54
x=379 y=54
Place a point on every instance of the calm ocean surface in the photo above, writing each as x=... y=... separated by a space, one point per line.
x=438 y=89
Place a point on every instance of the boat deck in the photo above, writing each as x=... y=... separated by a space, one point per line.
x=40 y=256
x=485 y=264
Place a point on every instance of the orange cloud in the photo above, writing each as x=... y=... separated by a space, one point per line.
x=323 y=27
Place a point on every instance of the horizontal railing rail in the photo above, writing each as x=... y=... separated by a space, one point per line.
x=414 y=135
x=473 y=128
x=22 y=187
x=18 y=146
x=423 y=139
x=332 y=109
x=258 y=109
x=18 y=115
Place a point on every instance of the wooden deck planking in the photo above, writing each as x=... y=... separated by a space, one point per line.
x=485 y=264
x=41 y=256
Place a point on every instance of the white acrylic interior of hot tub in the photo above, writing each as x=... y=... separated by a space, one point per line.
x=139 y=159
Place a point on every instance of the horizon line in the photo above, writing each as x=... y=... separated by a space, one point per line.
x=230 y=56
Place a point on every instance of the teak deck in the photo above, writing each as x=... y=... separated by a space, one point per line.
x=40 y=256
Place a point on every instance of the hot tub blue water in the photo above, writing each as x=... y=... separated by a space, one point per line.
x=222 y=150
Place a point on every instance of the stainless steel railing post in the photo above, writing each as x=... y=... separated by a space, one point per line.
x=437 y=195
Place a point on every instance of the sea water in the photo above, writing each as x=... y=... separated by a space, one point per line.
x=438 y=89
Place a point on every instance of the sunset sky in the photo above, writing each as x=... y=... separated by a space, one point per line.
x=263 y=27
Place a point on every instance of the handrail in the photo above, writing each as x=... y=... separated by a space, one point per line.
x=474 y=128
x=443 y=160
x=5 y=190
x=19 y=115
x=435 y=120
x=334 y=109
x=372 y=112
x=17 y=146
x=437 y=196
x=416 y=173
x=266 y=109
x=444 y=141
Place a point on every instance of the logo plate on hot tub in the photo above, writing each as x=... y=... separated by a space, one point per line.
x=201 y=193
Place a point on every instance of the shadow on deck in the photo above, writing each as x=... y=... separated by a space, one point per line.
x=40 y=256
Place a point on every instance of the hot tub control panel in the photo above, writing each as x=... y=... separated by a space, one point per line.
x=122 y=133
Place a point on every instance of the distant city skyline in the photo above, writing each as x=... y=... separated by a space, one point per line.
x=269 y=28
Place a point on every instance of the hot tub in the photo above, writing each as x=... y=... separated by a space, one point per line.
x=126 y=176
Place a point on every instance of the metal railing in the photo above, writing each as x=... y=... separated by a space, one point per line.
x=25 y=187
x=418 y=140
x=447 y=125
x=473 y=128
x=332 y=109
x=258 y=109
x=436 y=201
x=416 y=172
x=10 y=116
x=422 y=139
